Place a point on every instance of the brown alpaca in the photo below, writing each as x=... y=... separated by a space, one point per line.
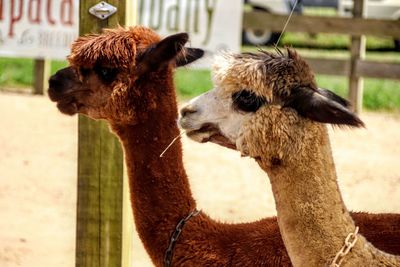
x=269 y=107
x=124 y=76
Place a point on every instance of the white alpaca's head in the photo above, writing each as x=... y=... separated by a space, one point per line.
x=250 y=87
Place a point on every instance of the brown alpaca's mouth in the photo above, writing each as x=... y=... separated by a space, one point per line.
x=210 y=133
x=66 y=104
x=69 y=107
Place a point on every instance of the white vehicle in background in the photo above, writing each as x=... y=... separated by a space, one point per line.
x=281 y=7
x=264 y=37
x=375 y=9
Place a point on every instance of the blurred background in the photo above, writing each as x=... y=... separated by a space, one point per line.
x=17 y=74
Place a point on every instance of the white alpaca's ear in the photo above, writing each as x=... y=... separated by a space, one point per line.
x=322 y=105
x=160 y=54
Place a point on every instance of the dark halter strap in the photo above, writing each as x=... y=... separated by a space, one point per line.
x=174 y=237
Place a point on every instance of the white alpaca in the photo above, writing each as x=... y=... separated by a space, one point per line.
x=269 y=107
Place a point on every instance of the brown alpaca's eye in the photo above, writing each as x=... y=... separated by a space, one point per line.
x=107 y=75
x=247 y=101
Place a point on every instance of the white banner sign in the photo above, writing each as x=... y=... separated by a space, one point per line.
x=38 y=28
x=213 y=25
x=46 y=28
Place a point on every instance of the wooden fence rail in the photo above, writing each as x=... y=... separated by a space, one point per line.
x=319 y=24
x=364 y=68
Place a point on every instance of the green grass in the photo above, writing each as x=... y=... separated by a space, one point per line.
x=14 y=72
x=378 y=94
x=190 y=83
x=18 y=72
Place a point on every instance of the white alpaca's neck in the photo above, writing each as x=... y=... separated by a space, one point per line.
x=312 y=217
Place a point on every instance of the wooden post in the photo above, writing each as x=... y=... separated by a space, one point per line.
x=41 y=74
x=357 y=51
x=100 y=209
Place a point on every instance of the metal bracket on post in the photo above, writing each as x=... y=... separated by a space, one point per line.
x=102 y=10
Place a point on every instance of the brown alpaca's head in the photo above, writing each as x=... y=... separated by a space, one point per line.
x=263 y=100
x=117 y=75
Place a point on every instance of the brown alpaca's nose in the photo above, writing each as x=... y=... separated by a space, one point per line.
x=54 y=83
x=188 y=109
x=61 y=82
x=62 y=79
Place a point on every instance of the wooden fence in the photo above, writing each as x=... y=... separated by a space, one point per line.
x=355 y=67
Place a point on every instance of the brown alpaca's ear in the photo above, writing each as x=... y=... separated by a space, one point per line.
x=188 y=55
x=323 y=106
x=160 y=54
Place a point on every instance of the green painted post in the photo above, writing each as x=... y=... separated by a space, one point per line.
x=100 y=172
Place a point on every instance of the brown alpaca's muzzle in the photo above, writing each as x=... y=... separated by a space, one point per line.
x=63 y=87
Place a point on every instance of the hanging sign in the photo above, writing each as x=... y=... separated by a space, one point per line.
x=38 y=28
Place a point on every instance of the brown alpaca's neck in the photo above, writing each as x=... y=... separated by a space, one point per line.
x=160 y=193
x=312 y=217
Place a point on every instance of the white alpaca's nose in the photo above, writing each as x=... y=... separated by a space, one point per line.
x=188 y=109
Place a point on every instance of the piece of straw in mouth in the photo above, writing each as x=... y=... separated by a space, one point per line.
x=172 y=142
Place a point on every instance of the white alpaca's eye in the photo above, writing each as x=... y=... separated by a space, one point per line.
x=247 y=101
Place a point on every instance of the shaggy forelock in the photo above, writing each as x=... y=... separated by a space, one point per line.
x=268 y=74
x=113 y=48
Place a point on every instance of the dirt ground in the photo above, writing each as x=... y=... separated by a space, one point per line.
x=38 y=181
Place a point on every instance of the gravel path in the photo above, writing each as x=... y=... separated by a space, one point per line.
x=38 y=179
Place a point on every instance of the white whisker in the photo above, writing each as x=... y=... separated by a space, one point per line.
x=286 y=23
x=173 y=141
